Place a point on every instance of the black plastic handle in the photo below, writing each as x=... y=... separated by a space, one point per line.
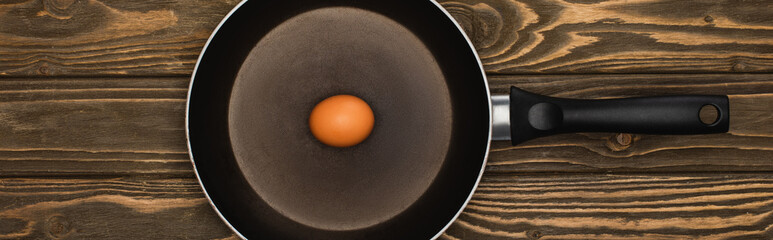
x=533 y=115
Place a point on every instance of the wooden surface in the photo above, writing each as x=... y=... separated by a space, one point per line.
x=705 y=206
x=164 y=38
x=94 y=126
x=92 y=98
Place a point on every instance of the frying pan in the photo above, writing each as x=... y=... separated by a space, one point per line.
x=269 y=62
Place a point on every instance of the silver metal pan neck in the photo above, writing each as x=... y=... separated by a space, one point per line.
x=500 y=107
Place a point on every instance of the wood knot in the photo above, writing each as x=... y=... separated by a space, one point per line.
x=620 y=142
x=534 y=234
x=482 y=23
x=708 y=19
x=740 y=67
x=58 y=226
x=43 y=69
x=58 y=8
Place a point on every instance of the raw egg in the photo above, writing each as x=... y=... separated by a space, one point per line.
x=341 y=121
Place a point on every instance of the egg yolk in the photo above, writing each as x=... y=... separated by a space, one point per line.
x=341 y=121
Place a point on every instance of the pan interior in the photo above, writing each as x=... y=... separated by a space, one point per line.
x=318 y=54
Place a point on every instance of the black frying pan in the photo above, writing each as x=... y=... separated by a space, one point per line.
x=271 y=61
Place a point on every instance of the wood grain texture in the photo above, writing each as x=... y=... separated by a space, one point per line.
x=504 y=207
x=619 y=36
x=107 y=208
x=619 y=207
x=164 y=38
x=105 y=37
x=93 y=126
x=88 y=154
x=78 y=126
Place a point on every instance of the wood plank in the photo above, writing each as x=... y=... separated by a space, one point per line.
x=618 y=36
x=619 y=207
x=75 y=126
x=504 y=207
x=93 y=126
x=105 y=37
x=113 y=208
x=164 y=38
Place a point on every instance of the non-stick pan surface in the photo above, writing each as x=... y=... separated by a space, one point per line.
x=271 y=61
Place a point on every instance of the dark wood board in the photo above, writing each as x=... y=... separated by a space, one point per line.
x=93 y=126
x=714 y=206
x=105 y=37
x=164 y=37
x=75 y=126
x=107 y=208
x=619 y=207
x=92 y=109
x=618 y=36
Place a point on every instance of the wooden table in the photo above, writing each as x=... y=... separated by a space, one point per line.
x=92 y=139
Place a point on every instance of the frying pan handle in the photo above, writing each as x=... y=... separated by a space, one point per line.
x=533 y=115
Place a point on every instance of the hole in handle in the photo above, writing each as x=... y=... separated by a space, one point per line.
x=709 y=114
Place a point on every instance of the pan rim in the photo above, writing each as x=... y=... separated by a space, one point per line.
x=490 y=117
x=187 y=116
x=470 y=48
